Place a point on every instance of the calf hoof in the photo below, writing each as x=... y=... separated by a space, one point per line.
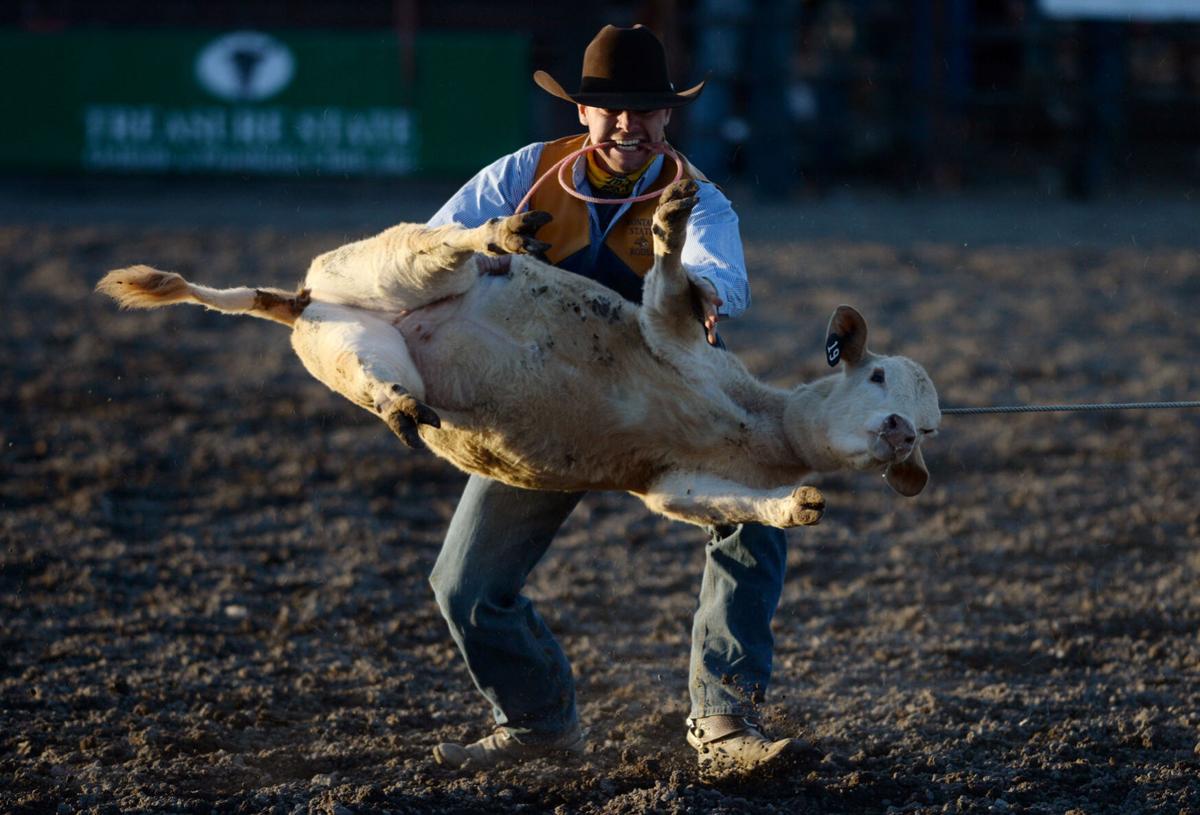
x=515 y=234
x=678 y=191
x=404 y=412
x=670 y=218
x=807 y=507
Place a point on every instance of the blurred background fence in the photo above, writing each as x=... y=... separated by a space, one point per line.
x=1076 y=97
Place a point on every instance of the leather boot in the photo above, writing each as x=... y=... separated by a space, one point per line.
x=734 y=747
x=500 y=748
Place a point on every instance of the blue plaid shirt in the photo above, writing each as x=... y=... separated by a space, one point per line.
x=713 y=249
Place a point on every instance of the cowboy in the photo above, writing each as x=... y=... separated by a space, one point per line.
x=499 y=532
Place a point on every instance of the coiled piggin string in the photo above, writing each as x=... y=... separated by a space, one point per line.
x=562 y=166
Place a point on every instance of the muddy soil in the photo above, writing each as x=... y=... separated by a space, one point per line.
x=213 y=576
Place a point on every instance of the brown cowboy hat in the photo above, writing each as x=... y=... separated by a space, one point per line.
x=623 y=69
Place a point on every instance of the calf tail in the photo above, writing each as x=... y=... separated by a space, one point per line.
x=144 y=287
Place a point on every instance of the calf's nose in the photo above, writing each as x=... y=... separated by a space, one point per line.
x=899 y=433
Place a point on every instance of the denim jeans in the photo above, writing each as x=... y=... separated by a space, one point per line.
x=499 y=533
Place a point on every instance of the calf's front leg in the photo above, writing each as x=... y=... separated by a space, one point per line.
x=673 y=302
x=708 y=500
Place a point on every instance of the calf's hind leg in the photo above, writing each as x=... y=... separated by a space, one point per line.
x=412 y=265
x=708 y=500
x=364 y=359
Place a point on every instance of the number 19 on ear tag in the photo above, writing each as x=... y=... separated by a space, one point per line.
x=833 y=349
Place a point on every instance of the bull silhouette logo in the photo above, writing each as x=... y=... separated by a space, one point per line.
x=245 y=66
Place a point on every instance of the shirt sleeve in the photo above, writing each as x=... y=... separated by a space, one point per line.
x=713 y=250
x=494 y=192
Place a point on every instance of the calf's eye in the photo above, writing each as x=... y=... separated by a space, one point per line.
x=877 y=376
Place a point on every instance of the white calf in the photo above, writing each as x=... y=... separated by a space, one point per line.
x=519 y=371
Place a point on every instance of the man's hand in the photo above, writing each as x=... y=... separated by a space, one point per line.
x=709 y=301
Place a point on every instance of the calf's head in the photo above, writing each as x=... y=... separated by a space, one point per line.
x=874 y=414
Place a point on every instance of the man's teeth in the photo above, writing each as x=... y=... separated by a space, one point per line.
x=628 y=144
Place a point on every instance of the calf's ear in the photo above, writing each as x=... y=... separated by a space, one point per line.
x=908 y=477
x=846 y=340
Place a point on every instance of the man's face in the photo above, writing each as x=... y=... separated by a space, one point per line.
x=634 y=128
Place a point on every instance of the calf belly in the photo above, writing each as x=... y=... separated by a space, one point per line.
x=528 y=336
x=540 y=380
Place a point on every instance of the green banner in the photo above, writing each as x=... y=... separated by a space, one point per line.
x=279 y=102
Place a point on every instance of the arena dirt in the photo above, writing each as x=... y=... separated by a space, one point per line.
x=213 y=578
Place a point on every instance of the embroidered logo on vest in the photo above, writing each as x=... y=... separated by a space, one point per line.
x=640 y=236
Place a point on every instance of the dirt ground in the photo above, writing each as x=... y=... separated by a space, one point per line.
x=213 y=577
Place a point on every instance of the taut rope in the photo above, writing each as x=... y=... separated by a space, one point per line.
x=971 y=411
